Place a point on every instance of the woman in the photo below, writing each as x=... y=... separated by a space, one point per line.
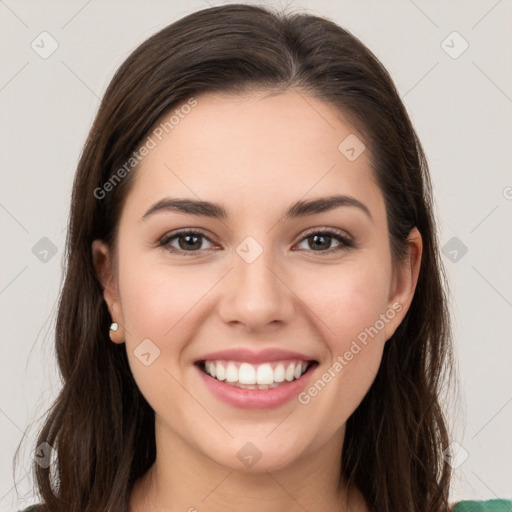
x=253 y=315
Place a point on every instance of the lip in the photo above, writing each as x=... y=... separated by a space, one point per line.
x=256 y=398
x=262 y=356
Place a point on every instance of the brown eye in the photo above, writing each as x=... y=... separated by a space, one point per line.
x=320 y=241
x=187 y=241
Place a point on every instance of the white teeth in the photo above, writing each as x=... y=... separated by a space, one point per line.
x=246 y=374
x=265 y=374
x=279 y=373
x=220 y=372
x=288 y=375
x=262 y=376
x=231 y=373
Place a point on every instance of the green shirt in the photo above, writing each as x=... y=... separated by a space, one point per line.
x=483 y=506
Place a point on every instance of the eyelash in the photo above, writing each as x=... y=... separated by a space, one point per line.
x=345 y=242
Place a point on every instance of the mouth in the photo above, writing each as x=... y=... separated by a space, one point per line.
x=263 y=376
x=249 y=379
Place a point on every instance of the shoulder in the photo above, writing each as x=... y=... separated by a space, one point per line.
x=483 y=506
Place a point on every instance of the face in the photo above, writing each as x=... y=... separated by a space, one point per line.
x=261 y=294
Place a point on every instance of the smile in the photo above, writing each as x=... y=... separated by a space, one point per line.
x=265 y=385
x=251 y=376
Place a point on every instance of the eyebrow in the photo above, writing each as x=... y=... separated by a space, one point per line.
x=217 y=211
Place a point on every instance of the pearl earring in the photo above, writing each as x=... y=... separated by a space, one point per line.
x=114 y=326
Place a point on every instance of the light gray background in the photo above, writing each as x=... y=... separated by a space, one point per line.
x=461 y=108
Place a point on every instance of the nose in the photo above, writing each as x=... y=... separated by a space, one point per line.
x=256 y=294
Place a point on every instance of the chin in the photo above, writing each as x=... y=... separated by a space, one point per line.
x=257 y=453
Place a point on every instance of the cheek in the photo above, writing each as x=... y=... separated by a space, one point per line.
x=158 y=298
x=346 y=300
x=348 y=306
x=349 y=310
x=160 y=307
x=359 y=331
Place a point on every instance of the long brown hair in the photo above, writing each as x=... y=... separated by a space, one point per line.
x=100 y=426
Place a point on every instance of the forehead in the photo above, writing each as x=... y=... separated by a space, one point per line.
x=254 y=150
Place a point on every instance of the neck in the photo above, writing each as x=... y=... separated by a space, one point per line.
x=183 y=479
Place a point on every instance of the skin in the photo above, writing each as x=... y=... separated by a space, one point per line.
x=256 y=155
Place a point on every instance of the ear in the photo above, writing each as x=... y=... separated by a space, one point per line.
x=404 y=281
x=104 y=266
